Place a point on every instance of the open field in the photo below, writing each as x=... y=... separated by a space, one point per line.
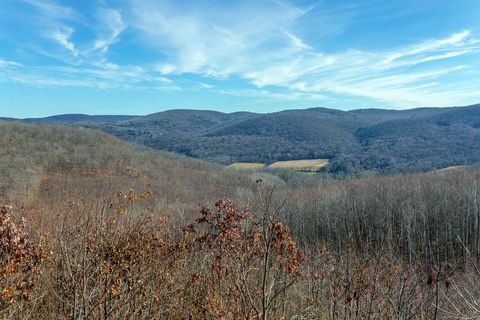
x=302 y=165
x=453 y=168
x=309 y=166
x=247 y=165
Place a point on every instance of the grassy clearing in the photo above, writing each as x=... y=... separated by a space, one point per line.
x=246 y=165
x=302 y=165
x=453 y=168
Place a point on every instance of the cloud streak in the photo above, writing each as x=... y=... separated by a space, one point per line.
x=7 y=63
x=51 y=9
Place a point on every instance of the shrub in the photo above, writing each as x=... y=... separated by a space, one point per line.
x=21 y=261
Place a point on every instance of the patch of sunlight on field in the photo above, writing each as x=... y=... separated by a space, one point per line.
x=246 y=165
x=304 y=165
x=453 y=168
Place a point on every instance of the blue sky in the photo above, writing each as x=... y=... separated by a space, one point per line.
x=145 y=56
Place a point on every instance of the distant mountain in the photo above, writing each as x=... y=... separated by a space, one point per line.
x=77 y=118
x=364 y=139
x=183 y=121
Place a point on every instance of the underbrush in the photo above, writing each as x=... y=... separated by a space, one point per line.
x=120 y=259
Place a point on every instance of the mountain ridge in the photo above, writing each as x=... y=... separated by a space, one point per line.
x=383 y=140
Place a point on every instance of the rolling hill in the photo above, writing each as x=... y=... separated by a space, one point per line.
x=364 y=139
x=45 y=161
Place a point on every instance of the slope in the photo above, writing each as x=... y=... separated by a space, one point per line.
x=40 y=160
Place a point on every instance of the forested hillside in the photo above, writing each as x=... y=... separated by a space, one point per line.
x=42 y=159
x=366 y=139
x=370 y=139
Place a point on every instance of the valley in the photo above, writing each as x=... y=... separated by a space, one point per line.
x=143 y=219
x=384 y=141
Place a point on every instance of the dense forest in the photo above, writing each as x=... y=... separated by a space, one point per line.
x=93 y=227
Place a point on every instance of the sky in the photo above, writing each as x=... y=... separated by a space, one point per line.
x=145 y=56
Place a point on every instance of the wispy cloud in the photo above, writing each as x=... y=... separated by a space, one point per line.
x=56 y=23
x=205 y=85
x=432 y=50
x=53 y=22
x=7 y=63
x=111 y=25
x=54 y=10
x=216 y=40
x=62 y=36
x=124 y=77
x=268 y=95
x=83 y=63
x=272 y=49
x=267 y=52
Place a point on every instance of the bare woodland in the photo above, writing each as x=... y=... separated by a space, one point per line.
x=134 y=234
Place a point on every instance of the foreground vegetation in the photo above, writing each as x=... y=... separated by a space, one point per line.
x=102 y=243
x=347 y=250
